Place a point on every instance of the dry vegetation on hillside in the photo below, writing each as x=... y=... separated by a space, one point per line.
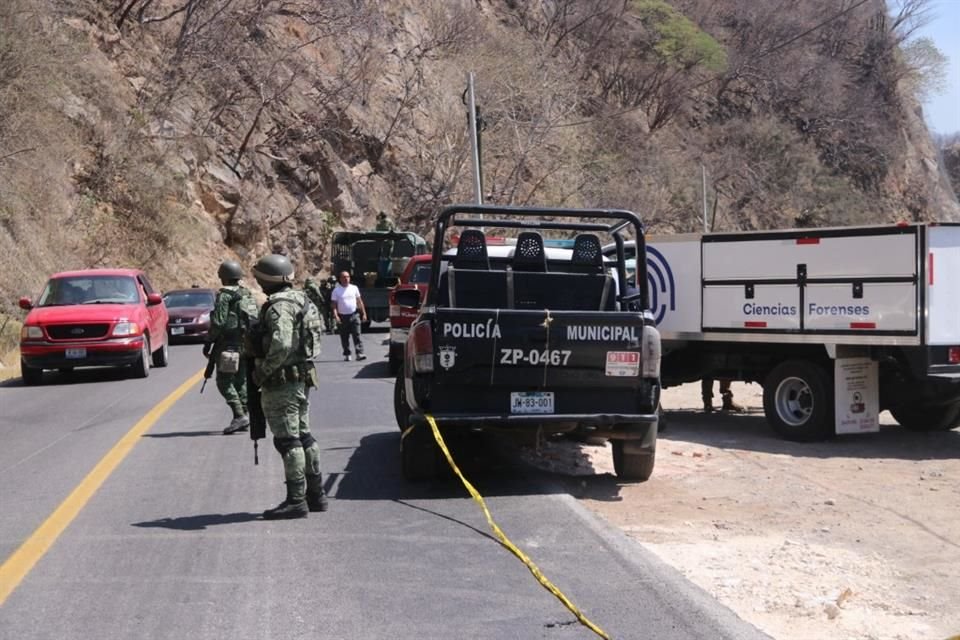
x=170 y=134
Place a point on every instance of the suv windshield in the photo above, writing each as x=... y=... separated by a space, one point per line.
x=189 y=299
x=421 y=273
x=89 y=290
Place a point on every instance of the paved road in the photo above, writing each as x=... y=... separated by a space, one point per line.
x=171 y=545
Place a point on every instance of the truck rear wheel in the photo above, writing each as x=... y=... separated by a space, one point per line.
x=418 y=454
x=633 y=462
x=401 y=410
x=927 y=418
x=798 y=401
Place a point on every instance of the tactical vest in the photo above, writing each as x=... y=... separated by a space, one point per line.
x=309 y=327
x=241 y=306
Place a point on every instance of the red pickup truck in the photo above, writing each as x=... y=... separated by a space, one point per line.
x=416 y=275
x=96 y=317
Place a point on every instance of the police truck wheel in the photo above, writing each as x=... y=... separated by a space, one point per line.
x=798 y=401
x=927 y=418
x=141 y=368
x=161 y=357
x=401 y=410
x=29 y=375
x=633 y=462
x=418 y=454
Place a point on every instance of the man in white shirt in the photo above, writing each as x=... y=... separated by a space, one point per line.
x=349 y=312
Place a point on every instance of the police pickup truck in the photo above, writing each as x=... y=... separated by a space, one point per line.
x=530 y=339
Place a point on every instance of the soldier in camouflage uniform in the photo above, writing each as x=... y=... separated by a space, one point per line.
x=383 y=222
x=320 y=295
x=285 y=373
x=225 y=335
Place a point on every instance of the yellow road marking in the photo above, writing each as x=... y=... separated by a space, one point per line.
x=18 y=565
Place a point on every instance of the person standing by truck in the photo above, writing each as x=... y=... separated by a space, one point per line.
x=728 y=406
x=349 y=312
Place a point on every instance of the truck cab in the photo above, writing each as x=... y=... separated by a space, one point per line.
x=528 y=339
x=375 y=261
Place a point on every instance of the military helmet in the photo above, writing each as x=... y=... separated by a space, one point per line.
x=381 y=215
x=229 y=271
x=273 y=269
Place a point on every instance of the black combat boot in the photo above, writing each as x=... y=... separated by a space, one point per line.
x=295 y=506
x=316 y=497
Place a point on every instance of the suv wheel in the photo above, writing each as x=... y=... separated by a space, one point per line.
x=161 y=357
x=30 y=376
x=141 y=368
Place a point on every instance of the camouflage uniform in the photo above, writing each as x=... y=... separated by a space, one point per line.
x=384 y=223
x=320 y=296
x=285 y=376
x=225 y=333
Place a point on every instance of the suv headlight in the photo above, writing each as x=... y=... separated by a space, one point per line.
x=31 y=332
x=126 y=329
x=204 y=317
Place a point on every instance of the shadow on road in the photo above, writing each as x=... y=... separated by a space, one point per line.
x=77 y=376
x=373 y=472
x=751 y=432
x=182 y=434
x=198 y=522
x=376 y=369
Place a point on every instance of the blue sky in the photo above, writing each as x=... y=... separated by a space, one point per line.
x=942 y=111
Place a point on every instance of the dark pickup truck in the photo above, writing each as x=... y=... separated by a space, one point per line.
x=531 y=339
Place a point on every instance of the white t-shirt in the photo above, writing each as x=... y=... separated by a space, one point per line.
x=346 y=298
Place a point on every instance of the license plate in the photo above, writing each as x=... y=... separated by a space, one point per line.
x=73 y=354
x=531 y=402
x=176 y=331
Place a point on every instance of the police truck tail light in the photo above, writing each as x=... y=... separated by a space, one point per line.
x=953 y=355
x=421 y=341
x=650 y=352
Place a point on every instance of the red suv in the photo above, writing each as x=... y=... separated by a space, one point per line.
x=98 y=317
x=416 y=275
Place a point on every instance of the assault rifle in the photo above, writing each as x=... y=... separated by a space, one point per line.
x=208 y=372
x=252 y=344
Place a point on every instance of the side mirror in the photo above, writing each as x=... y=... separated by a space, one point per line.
x=154 y=299
x=26 y=303
x=408 y=298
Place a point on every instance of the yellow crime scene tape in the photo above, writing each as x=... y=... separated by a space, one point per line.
x=505 y=541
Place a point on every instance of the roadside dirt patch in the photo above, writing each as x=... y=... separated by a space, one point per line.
x=855 y=538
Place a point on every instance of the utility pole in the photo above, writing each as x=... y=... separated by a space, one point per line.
x=474 y=139
x=703 y=189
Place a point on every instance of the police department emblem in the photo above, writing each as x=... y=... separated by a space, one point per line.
x=448 y=356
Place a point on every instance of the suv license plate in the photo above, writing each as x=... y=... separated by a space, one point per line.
x=74 y=354
x=531 y=402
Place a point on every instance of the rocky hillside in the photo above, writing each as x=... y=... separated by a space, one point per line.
x=170 y=134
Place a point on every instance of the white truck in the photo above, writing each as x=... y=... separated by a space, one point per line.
x=836 y=324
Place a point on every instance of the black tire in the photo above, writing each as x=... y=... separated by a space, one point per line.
x=927 y=418
x=401 y=410
x=418 y=454
x=161 y=357
x=631 y=461
x=141 y=368
x=30 y=375
x=396 y=359
x=798 y=401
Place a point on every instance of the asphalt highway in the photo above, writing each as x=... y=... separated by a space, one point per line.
x=122 y=516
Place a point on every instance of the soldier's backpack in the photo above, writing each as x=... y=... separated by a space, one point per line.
x=242 y=307
x=311 y=326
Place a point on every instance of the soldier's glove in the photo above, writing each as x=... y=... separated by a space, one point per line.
x=207 y=348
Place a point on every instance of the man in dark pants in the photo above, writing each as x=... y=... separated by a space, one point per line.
x=349 y=312
x=728 y=406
